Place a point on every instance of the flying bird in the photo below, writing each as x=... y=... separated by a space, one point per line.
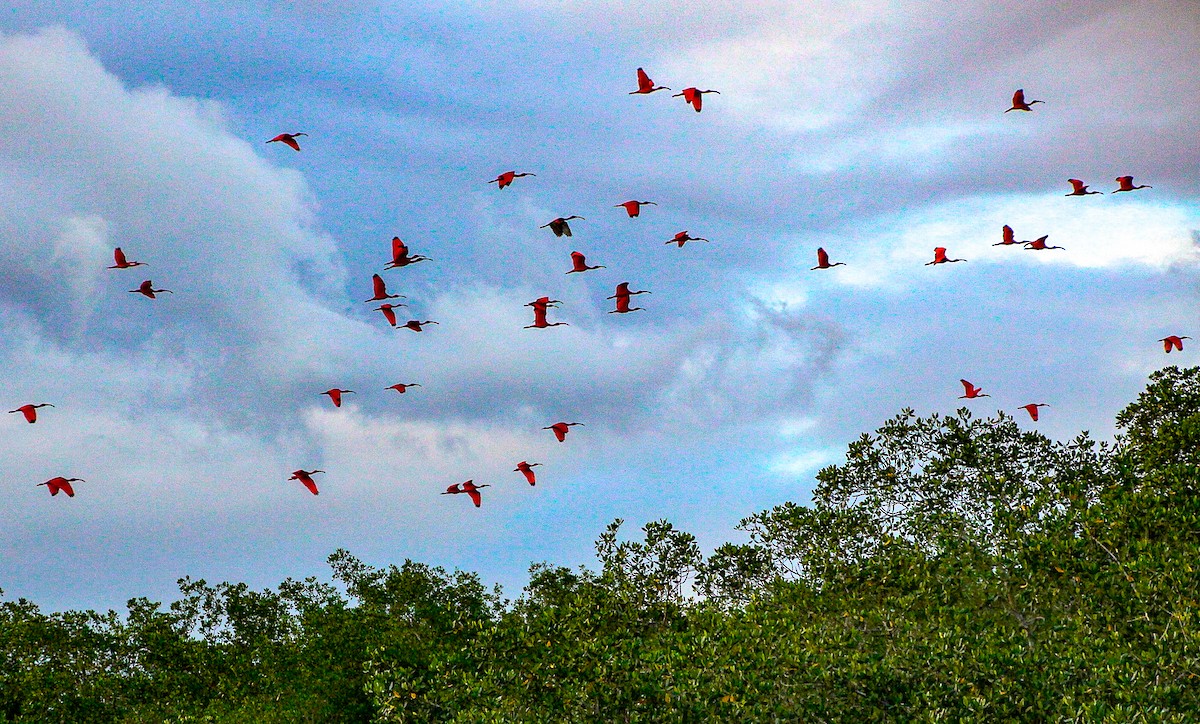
x=579 y=263
x=123 y=263
x=336 y=395
x=1019 y=103
x=682 y=238
x=507 y=177
x=526 y=469
x=63 y=484
x=1173 y=342
x=1039 y=244
x=415 y=325
x=289 y=139
x=305 y=476
x=470 y=488
x=400 y=256
x=645 y=85
x=539 y=318
x=1008 y=237
x=544 y=303
x=389 y=312
x=622 y=296
x=633 y=208
x=823 y=260
x=1032 y=409
x=1127 y=184
x=30 y=411
x=401 y=388
x=561 y=429
x=147 y=289
x=381 y=290
x=1079 y=189
x=694 y=96
x=971 y=391
x=559 y=226
x=939 y=257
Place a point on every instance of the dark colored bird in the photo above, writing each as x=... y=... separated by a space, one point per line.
x=415 y=325
x=579 y=264
x=400 y=256
x=1039 y=244
x=561 y=429
x=1079 y=189
x=1127 y=184
x=289 y=139
x=645 y=85
x=123 y=263
x=1032 y=409
x=823 y=260
x=1019 y=104
x=526 y=469
x=939 y=257
x=147 y=289
x=30 y=411
x=380 y=288
x=559 y=226
x=305 y=477
x=682 y=238
x=507 y=177
x=401 y=388
x=1173 y=342
x=64 y=484
x=1008 y=238
x=694 y=96
x=389 y=312
x=633 y=208
x=336 y=395
x=972 y=391
x=470 y=488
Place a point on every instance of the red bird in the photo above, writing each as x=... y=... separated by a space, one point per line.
x=526 y=469
x=305 y=476
x=289 y=139
x=1032 y=409
x=336 y=395
x=1079 y=189
x=972 y=391
x=30 y=411
x=147 y=289
x=682 y=238
x=381 y=290
x=694 y=96
x=645 y=85
x=401 y=388
x=561 y=429
x=63 y=484
x=1039 y=244
x=633 y=208
x=507 y=177
x=1174 y=341
x=1127 y=184
x=560 y=227
x=622 y=296
x=539 y=320
x=415 y=325
x=388 y=310
x=470 y=488
x=939 y=257
x=1019 y=103
x=400 y=257
x=823 y=260
x=1008 y=238
x=579 y=263
x=123 y=263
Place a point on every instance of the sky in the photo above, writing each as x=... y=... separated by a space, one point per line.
x=872 y=129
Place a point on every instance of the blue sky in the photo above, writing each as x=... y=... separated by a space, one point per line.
x=872 y=129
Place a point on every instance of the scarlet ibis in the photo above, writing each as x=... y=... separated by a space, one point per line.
x=579 y=263
x=400 y=256
x=507 y=177
x=30 y=411
x=401 y=388
x=388 y=310
x=1008 y=238
x=1079 y=189
x=645 y=85
x=147 y=289
x=526 y=469
x=381 y=290
x=682 y=238
x=63 y=484
x=1032 y=409
x=561 y=429
x=633 y=208
x=623 y=291
x=622 y=296
x=539 y=319
x=1039 y=244
x=1019 y=103
x=336 y=395
x=544 y=303
x=972 y=391
x=694 y=96
x=305 y=476
x=1127 y=184
x=470 y=488
x=823 y=260
x=559 y=226
x=415 y=325
x=289 y=139
x=123 y=263
x=939 y=257
x=623 y=307
x=1174 y=341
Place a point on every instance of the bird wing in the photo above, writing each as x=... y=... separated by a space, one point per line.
x=476 y=498
x=66 y=488
x=822 y=257
x=1009 y=237
x=529 y=476
x=939 y=254
x=309 y=483
x=1076 y=184
x=644 y=82
x=560 y=431
x=1019 y=98
x=389 y=314
x=380 y=286
x=399 y=249
x=119 y=257
x=29 y=412
x=968 y=388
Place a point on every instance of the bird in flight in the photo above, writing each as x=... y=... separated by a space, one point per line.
x=1039 y=244
x=1019 y=103
x=147 y=289
x=1127 y=184
x=123 y=263
x=305 y=476
x=30 y=411
x=401 y=388
x=470 y=488
x=289 y=139
x=1079 y=189
x=633 y=208
x=559 y=226
x=415 y=325
x=1008 y=238
x=971 y=391
x=645 y=85
x=682 y=238
x=561 y=429
x=389 y=312
x=939 y=257
x=381 y=290
x=694 y=96
x=63 y=484
x=823 y=260
x=400 y=256
x=622 y=296
x=579 y=264
x=540 y=321
x=1173 y=342
x=336 y=395
x=526 y=469
x=544 y=303
x=1032 y=409
x=507 y=177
